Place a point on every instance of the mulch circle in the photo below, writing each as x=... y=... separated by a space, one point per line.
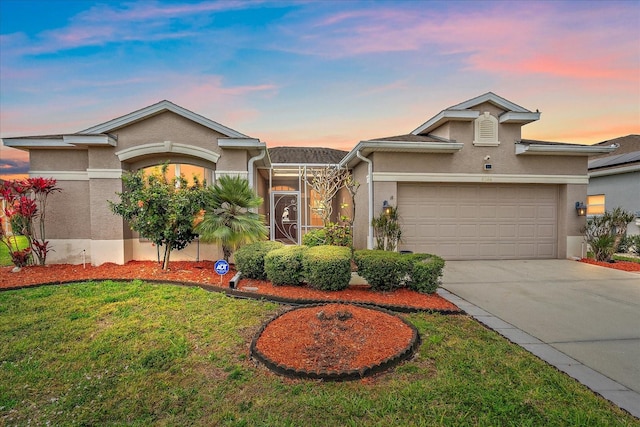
x=334 y=342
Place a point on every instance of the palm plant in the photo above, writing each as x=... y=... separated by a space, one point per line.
x=228 y=218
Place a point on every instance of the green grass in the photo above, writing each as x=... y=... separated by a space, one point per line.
x=108 y=353
x=626 y=258
x=5 y=258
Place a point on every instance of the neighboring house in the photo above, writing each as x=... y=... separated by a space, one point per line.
x=614 y=180
x=465 y=184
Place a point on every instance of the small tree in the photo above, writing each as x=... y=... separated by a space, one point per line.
x=228 y=218
x=386 y=230
x=26 y=209
x=605 y=232
x=160 y=209
x=326 y=182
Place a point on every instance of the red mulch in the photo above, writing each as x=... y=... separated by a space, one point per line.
x=202 y=272
x=333 y=338
x=618 y=265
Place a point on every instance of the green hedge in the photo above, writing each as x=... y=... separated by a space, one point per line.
x=284 y=266
x=249 y=259
x=327 y=267
x=426 y=272
x=386 y=271
x=383 y=270
x=315 y=237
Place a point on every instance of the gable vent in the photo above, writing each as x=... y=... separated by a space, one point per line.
x=486 y=130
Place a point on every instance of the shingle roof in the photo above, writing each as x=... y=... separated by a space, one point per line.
x=627 y=144
x=615 y=160
x=306 y=155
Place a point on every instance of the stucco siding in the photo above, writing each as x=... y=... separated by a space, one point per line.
x=68 y=213
x=105 y=225
x=361 y=222
x=58 y=160
x=167 y=126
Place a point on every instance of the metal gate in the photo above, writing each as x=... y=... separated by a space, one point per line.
x=285 y=217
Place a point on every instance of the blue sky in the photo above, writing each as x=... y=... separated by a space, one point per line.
x=317 y=73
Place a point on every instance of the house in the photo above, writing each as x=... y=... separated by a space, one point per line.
x=465 y=183
x=614 y=180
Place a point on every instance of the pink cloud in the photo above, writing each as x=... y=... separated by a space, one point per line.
x=537 y=38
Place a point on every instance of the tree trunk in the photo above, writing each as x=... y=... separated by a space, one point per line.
x=167 y=254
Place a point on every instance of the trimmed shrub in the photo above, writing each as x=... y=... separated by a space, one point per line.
x=250 y=258
x=383 y=270
x=426 y=271
x=386 y=271
x=315 y=237
x=327 y=267
x=284 y=266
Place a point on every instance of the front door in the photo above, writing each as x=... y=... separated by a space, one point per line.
x=285 y=217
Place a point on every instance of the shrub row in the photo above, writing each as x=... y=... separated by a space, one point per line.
x=323 y=267
x=250 y=258
x=386 y=271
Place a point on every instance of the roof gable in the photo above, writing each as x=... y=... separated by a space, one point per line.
x=513 y=113
x=158 y=108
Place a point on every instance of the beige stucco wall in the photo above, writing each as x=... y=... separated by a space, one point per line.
x=58 y=160
x=361 y=222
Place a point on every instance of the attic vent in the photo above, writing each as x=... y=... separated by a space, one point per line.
x=486 y=130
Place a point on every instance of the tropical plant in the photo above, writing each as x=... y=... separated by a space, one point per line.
x=160 y=209
x=386 y=229
x=26 y=208
x=228 y=218
x=604 y=233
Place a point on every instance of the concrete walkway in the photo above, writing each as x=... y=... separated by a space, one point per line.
x=580 y=318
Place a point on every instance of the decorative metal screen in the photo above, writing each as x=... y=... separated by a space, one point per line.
x=285 y=218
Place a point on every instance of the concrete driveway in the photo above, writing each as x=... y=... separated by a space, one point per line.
x=579 y=317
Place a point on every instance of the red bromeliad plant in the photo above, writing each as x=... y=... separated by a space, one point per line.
x=26 y=206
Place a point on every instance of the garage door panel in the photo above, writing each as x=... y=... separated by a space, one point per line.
x=479 y=221
x=468 y=230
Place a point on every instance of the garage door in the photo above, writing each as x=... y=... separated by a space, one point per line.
x=479 y=221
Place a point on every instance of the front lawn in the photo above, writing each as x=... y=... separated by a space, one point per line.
x=5 y=258
x=109 y=353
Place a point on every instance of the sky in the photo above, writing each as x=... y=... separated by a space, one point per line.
x=317 y=73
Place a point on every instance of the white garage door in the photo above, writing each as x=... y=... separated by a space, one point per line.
x=479 y=221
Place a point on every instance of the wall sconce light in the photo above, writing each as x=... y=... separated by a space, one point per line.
x=581 y=209
x=386 y=208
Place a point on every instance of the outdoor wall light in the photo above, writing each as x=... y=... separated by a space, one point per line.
x=386 y=208
x=581 y=209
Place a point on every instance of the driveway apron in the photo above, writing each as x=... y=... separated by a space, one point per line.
x=584 y=319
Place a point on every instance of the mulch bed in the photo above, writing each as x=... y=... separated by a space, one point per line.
x=334 y=342
x=203 y=274
x=618 y=265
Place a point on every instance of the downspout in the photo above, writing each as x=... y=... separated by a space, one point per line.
x=250 y=166
x=370 y=185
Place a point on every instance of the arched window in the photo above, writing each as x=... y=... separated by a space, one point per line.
x=186 y=170
x=486 y=130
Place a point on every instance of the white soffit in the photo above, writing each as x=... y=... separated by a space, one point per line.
x=63 y=141
x=562 y=150
x=445 y=116
x=367 y=147
x=493 y=99
x=240 y=143
x=518 y=117
x=158 y=108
